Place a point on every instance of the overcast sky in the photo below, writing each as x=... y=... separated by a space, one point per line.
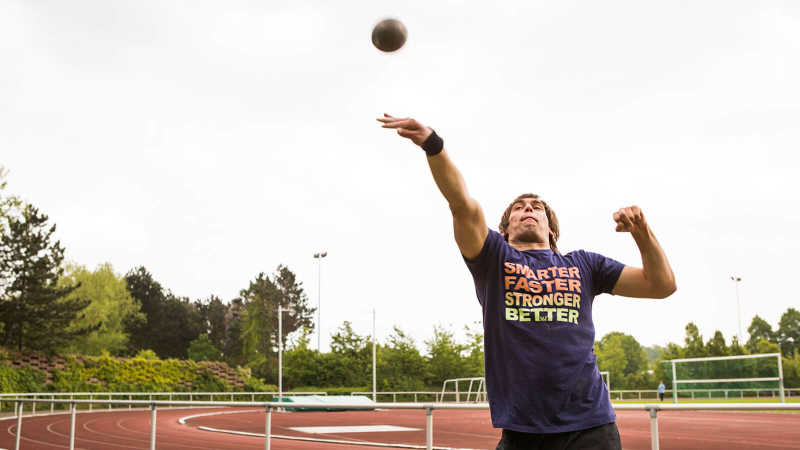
x=211 y=141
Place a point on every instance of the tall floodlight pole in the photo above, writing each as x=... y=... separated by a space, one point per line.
x=374 y=393
x=736 y=281
x=319 y=257
x=280 y=353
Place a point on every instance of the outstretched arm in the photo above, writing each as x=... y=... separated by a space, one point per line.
x=655 y=279
x=469 y=224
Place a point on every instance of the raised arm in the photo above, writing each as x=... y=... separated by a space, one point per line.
x=655 y=278
x=469 y=224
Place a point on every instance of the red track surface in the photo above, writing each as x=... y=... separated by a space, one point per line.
x=701 y=430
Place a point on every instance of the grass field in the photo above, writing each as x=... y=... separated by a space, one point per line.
x=707 y=400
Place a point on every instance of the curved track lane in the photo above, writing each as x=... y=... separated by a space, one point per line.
x=124 y=429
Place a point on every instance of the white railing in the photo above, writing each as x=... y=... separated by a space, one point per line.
x=757 y=393
x=150 y=396
x=435 y=395
x=428 y=407
x=616 y=395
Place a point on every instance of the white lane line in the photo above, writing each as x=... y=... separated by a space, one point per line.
x=183 y=420
x=327 y=441
x=353 y=429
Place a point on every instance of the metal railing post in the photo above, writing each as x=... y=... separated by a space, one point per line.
x=52 y=405
x=152 y=426
x=654 y=429
x=72 y=426
x=90 y=401
x=33 y=406
x=130 y=399
x=780 y=381
x=674 y=384
x=19 y=425
x=429 y=428
x=268 y=429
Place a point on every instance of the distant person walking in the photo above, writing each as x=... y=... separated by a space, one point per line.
x=661 y=390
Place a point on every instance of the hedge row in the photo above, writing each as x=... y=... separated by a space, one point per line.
x=106 y=374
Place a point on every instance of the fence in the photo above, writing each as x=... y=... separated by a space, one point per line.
x=428 y=407
x=617 y=395
x=757 y=393
x=150 y=396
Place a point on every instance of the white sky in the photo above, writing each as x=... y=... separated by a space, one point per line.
x=210 y=141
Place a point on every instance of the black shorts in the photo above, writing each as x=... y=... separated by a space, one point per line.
x=604 y=437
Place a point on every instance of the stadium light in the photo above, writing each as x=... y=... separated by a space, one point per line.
x=319 y=256
x=736 y=280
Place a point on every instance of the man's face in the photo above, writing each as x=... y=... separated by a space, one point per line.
x=528 y=222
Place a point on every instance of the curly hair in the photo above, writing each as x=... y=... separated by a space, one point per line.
x=551 y=218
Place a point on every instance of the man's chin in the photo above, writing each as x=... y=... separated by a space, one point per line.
x=529 y=238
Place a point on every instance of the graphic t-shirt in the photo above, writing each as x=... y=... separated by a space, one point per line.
x=541 y=370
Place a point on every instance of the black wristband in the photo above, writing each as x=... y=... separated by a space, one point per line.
x=433 y=145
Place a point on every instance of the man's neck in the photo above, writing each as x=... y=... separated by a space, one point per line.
x=522 y=246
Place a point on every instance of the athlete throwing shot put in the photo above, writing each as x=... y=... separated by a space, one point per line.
x=544 y=388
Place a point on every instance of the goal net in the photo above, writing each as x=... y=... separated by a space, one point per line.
x=464 y=390
x=721 y=376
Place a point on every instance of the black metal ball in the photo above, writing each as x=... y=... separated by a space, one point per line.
x=389 y=35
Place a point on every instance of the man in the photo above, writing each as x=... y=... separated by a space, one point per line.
x=661 y=390
x=544 y=388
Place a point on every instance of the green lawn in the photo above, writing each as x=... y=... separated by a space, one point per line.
x=710 y=400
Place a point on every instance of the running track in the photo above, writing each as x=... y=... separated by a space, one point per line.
x=701 y=430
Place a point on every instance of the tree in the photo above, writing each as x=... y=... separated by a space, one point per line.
x=150 y=295
x=474 y=360
x=400 y=365
x=260 y=317
x=32 y=315
x=232 y=349
x=111 y=307
x=662 y=370
x=301 y=365
x=716 y=345
x=759 y=329
x=212 y=316
x=444 y=361
x=9 y=207
x=350 y=359
x=624 y=358
x=201 y=349
x=789 y=332
x=172 y=322
x=694 y=342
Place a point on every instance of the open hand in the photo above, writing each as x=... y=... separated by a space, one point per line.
x=630 y=219
x=407 y=127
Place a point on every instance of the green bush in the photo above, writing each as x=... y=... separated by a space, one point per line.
x=140 y=374
x=24 y=379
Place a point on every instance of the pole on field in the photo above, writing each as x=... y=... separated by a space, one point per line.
x=674 y=384
x=429 y=428
x=280 y=353
x=72 y=426
x=152 y=426
x=19 y=425
x=654 y=429
x=780 y=376
x=268 y=429
x=374 y=380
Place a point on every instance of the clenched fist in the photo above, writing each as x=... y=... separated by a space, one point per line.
x=630 y=219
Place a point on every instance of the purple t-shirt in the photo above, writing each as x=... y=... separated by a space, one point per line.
x=541 y=370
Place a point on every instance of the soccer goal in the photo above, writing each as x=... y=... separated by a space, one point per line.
x=607 y=380
x=465 y=389
x=728 y=373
